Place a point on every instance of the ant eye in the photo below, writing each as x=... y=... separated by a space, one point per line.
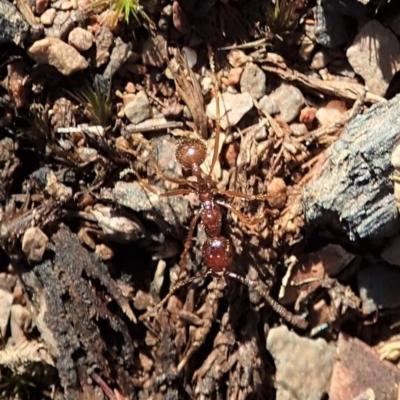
x=190 y=152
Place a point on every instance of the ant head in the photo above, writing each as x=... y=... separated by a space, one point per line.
x=218 y=253
x=190 y=152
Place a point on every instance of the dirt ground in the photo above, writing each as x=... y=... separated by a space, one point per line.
x=235 y=161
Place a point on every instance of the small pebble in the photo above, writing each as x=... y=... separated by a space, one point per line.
x=233 y=106
x=298 y=130
x=234 y=76
x=237 y=58
x=138 y=109
x=332 y=113
x=191 y=56
x=81 y=39
x=66 y=5
x=320 y=60
x=231 y=153
x=290 y=101
x=41 y=6
x=60 y=55
x=253 y=81
x=278 y=192
x=268 y=105
x=47 y=18
x=307 y=115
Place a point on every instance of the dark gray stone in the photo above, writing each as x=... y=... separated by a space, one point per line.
x=13 y=27
x=353 y=189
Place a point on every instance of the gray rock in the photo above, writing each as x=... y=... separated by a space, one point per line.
x=118 y=58
x=81 y=39
x=13 y=27
x=138 y=109
x=330 y=27
x=353 y=187
x=62 y=26
x=104 y=39
x=154 y=51
x=290 y=101
x=233 y=106
x=378 y=286
x=303 y=366
x=60 y=55
x=269 y=105
x=391 y=252
x=253 y=81
x=375 y=55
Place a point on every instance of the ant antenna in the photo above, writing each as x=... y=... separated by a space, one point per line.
x=218 y=111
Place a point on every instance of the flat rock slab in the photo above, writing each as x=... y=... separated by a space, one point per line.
x=352 y=189
x=303 y=366
x=358 y=370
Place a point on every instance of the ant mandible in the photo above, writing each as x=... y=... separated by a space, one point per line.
x=217 y=250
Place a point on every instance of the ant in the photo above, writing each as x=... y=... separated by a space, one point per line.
x=217 y=250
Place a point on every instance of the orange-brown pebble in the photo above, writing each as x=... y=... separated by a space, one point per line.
x=231 y=153
x=332 y=113
x=234 y=75
x=77 y=138
x=48 y=16
x=278 y=192
x=307 y=115
x=86 y=201
x=41 y=6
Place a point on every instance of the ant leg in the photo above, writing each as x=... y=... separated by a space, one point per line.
x=251 y=197
x=139 y=178
x=188 y=242
x=218 y=111
x=170 y=193
x=176 y=192
x=180 y=284
x=293 y=319
x=247 y=220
